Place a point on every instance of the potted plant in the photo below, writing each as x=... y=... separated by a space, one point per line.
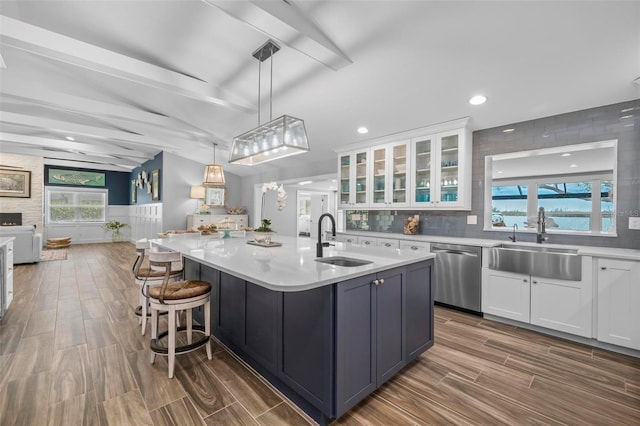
x=115 y=226
x=263 y=234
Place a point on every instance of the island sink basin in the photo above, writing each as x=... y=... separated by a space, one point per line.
x=342 y=261
x=540 y=261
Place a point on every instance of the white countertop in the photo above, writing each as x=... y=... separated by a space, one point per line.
x=290 y=267
x=609 y=252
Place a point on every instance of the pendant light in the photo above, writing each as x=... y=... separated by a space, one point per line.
x=213 y=173
x=279 y=138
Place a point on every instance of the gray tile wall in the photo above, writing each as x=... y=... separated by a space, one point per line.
x=590 y=125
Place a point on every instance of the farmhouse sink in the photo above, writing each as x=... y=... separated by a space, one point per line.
x=343 y=261
x=540 y=261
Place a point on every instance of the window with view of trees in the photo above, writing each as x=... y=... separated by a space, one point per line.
x=75 y=205
x=577 y=204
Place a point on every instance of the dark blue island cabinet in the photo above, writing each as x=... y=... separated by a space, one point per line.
x=329 y=347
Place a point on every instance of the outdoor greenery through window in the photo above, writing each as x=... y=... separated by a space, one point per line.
x=579 y=204
x=76 y=205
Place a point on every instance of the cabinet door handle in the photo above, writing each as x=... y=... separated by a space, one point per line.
x=603 y=268
x=376 y=282
x=414 y=248
x=535 y=282
x=381 y=281
x=349 y=240
x=387 y=244
x=525 y=281
x=367 y=242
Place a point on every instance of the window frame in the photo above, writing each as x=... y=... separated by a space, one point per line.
x=533 y=184
x=57 y=189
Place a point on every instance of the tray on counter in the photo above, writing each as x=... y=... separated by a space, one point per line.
x=271 y=244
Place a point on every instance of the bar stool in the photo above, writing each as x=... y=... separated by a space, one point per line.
x=175 y=296
x=147 y=277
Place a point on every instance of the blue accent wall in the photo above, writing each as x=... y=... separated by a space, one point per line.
x=118 y=183
x=142 y=197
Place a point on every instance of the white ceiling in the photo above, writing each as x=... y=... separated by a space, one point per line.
x=128 y=79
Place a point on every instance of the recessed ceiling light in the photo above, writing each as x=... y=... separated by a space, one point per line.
x=499 y=171
x=69 y=138
x=478 y=100
x=363 y=130
x=566 y=154
x=573 y=165
x=306 y=182
x=627 y=109
x=626 y=117
x=508 y=130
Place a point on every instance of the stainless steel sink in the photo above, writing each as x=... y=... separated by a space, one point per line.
x=540 y=261
x=343 y=261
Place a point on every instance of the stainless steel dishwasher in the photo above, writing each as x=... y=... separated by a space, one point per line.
x=458 y=271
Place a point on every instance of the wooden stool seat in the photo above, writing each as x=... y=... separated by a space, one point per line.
x=180 y=290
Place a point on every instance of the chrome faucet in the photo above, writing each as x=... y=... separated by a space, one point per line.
x=542 y=227
x=319 y=245
x=515 y=226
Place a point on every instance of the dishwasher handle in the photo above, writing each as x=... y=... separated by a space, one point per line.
x=451 y=251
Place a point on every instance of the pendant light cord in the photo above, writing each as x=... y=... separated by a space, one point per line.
x=259 y=89
x=271 y=88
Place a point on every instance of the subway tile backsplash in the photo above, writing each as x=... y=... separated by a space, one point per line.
x=595 y=124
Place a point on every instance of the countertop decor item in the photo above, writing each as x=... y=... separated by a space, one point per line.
x=236 y=210
x=262 y=235
x=411 y=225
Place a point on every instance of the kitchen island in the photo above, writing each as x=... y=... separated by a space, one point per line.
x=326 y=336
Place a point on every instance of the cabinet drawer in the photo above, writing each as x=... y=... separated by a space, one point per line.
x=415 y=246
x=349 y=239
x=387 y=243
x=367 y=241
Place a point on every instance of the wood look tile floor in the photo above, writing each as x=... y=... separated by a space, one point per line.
x=71 y=353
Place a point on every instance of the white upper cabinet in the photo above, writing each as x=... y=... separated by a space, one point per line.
x=354 y=170
x=426 y=168
x=390 y=185
x=441 y=170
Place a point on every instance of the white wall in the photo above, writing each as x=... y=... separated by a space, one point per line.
x=179 y=174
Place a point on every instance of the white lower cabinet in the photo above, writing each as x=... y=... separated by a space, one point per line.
x=618 y=320
x=505 y=294
x=551 y=303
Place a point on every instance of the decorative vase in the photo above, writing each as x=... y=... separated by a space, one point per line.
x=262 y=237
x=117 y=236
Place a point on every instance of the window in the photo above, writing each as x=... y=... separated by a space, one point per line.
x=570 y=204
x=75 y=205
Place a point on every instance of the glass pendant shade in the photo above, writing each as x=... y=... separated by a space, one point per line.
x=279 y=138
x=213 y=175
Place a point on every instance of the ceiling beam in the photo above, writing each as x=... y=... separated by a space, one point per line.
x=99 y=148
x=63 y=163
x=36 y=40
x=286 y=23
x=16 y=148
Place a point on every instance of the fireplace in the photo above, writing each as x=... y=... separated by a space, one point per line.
x=10 y=219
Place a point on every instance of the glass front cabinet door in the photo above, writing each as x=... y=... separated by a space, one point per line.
x=389 y=175
x=354 y=170
x=441 y=175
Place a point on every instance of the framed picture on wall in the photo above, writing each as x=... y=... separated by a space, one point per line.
x=155 y=185
x=134 y=191
x=215 y=197
x=15 y=183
